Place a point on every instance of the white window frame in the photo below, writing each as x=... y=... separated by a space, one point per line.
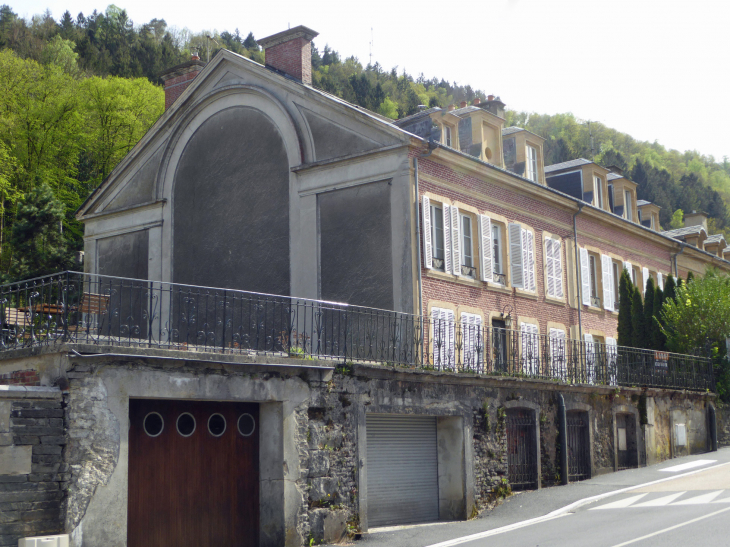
x=558 y=353
x=447 y=135
x=467 y=241
x=472 y=340
x=438 y=211
x=554 y=266
x=530 y=346
x=628 y=206
x=593 y=274
x=598 y=191
x=616 y=273
x=443 y=333
x=522 y=257
x=532 y=163
x=497 y=250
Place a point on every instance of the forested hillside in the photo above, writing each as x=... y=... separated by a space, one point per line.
x=78 y=92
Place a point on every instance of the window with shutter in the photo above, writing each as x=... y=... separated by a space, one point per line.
x=660 y=280
x=607 y=277
x=448 y=268
x=485 y=251
x=585 y=277
x=644 y=280
x=455 y=241
x=516 y=258
x=443 y=337
x=427 y=242
x=590 y=358
x=558 y=265
x=558 y=360
x=530 y=260
x=530 y=349
x=616 y=279
x=550 y=266
x=471 y=339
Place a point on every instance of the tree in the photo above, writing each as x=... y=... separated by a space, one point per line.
x=677 y=220
x=658 y=340
x=625 y=291
x=649 y=325
x=669 y=289
x=39 y=245
x=690 y=277
x=637 y=320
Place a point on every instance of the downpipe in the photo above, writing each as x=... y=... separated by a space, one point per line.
x=579 y=304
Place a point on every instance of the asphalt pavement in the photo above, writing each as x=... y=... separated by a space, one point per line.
x=690 y=493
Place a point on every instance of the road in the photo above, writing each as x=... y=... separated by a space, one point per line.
x=684 y=502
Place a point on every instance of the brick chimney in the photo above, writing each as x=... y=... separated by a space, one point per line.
x=178 y=78
x=290 y=52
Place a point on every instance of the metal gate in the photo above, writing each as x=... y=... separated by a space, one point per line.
x=579 y=449
x=522 y=449
x=627 y=448
x=402 y=469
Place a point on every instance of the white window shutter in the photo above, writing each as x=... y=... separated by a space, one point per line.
x=455 y=241
x=515 y=256
x=427 y=243
x=590 y=358
x=550 y=266
x=644 y=279
x=450 y=337
x=660 y=280
x=585 y=277
x=529 y=260
x=485 y=240
x=558 y=261
x=447 y=238
x=607 y=277
x=628 y=266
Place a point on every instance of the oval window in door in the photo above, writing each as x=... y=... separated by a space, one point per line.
x=246 y=425
x=186 y=424
x=217 y=425
x=153 y=424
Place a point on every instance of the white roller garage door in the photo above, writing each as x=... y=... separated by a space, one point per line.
x=402 y=469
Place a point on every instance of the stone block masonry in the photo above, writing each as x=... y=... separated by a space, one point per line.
x=33 y=474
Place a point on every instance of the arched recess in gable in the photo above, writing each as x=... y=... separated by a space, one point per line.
x=228 y=185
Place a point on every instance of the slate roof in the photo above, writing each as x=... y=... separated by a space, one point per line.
x=614 y=176
x=566 y=165
x=463 y=111
x=683 y=232
x=641 y=202
x=715 y=238
x=510 y=130
x=412 y=117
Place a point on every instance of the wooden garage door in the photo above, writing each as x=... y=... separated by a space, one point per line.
x=402 y=470
x=193 y=474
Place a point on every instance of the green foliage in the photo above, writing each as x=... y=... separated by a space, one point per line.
x=670 y=288
x=649 y=326
x=625 y=290
x=638 y=329
x=677 y=220
x=690 y=277
x=658 y=340
x=40 y=247
x=700 y=313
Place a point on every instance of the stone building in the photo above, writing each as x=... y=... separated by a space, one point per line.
x=140 y=406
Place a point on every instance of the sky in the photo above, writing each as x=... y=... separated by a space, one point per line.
x=657 y=70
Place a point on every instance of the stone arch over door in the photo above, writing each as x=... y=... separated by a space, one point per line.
x=227 y=180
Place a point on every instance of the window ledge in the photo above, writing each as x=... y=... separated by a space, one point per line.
x=526 y=294
x=460 y=279
x=554 y=300
x=498 y=287
x=593 y=309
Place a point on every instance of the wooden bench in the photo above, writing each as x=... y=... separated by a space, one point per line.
x=93 y=308
x=17 y=318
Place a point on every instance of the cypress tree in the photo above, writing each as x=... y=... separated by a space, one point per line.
x=649 y=327
x=658 y=338
x=625 y=292
x=690 y=277
x=669 y=289
x=637 y=320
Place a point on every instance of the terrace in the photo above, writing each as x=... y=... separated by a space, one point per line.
x=86 y=309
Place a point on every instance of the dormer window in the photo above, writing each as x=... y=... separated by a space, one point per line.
x=447 y=135
x=628 y=206
x=598 y=187
x=532 y=163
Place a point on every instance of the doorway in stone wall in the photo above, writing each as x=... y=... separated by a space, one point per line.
x=193 y=474
x=626 y=445
x=579 y=448
x=522 y=457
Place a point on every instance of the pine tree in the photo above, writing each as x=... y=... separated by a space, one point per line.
x=637 y=320
x=657 y=336
x=625 y=291
x=670 y=288
x=649 y=314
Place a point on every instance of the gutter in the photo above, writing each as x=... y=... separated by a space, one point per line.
x=577 y=272
x=682 y=245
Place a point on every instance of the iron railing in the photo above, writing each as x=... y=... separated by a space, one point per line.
x=94 y=309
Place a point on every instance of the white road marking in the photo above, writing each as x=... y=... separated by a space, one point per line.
x=671 y=528
x=688 y=465
x=704 y=498
x=724 y=500
x=660 y=501
x=565 y=510
x=620 y=504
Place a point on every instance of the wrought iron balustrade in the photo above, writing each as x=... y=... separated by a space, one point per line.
x=595 y=301
x=499 y=278
x=72 y=307
x=469 y=271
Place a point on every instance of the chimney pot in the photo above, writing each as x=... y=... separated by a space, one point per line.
x=290 y=52
x=490 y=97
x=462 y=104
x=452 y=106
x=476 y=101
x=178 y=78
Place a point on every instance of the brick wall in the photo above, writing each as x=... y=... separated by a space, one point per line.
x=32 y=473
x=174 y=87
x=540 y=215
x=293 y=58
x=20 y=378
